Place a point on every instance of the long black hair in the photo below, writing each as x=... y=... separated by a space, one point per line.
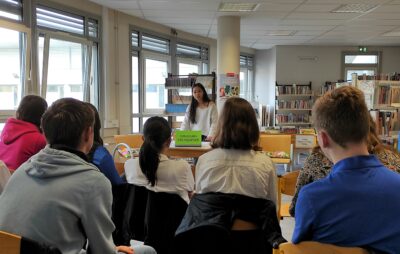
x=156 y=131
x=194 y=104
x=97 y=140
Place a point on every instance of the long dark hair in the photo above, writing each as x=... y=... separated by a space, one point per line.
x=156 y=131
x=97 y=140
x=237 y=126
x=194 y=103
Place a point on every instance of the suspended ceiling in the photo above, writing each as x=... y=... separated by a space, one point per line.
x=309 y=22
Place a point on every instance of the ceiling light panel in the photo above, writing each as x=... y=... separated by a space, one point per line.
x=237 y=7
x=354 y=8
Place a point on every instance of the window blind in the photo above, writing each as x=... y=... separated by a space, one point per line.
x=11 y=9
x=155 y=44
x=135 y=39
x=60 y=20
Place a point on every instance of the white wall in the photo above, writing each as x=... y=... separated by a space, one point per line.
x=265 y=76
x=327 y=66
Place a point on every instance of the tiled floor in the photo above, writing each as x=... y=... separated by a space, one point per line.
x=287 y=224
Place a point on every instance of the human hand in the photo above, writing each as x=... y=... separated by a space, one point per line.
x=125 y=249
x=208 y=138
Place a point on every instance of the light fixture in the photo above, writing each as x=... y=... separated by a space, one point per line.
x=354 y=8
x=237 y=7
x=281 y=33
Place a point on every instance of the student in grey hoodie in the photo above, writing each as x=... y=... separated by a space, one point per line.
x=58 y=197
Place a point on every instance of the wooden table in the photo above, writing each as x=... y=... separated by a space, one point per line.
x=188 y=152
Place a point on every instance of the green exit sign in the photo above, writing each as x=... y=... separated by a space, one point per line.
x=362 y=49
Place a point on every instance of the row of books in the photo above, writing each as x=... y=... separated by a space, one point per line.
x=388 y=95
x=293 y=89
x=386 y=121
x=381 y=76
x=295 y=104
x=292 y=118
x=264 y=113
x=329 y=86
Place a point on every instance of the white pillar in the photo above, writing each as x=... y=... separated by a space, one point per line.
x=228 y=49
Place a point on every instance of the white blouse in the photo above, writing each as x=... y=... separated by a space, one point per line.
x=206 y=120
x=173 y=176
x=244 y=172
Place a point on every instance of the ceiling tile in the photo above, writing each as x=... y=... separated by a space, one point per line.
x=322 y=16
x=206 y=5
x=133 y=12
x=280 y=7
x=180 y=14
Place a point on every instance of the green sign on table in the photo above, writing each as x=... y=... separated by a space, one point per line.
x=188 y=138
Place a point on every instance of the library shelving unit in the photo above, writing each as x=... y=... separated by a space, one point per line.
x=293 y=104
x=383 y=100
x=180 y=93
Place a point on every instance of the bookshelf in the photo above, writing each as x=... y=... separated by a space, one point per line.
x=293 y=104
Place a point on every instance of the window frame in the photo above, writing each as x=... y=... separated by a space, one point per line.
x=15 y=26
x=249 y=78
x=366 y=66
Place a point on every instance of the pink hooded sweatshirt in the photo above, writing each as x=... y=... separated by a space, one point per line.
x=19 y=140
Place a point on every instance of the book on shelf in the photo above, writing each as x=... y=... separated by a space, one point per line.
x=386 y=121
x=264 y=113
x=307 y=131
x=289 y=129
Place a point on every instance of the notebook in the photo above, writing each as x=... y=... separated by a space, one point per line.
x=188 y=138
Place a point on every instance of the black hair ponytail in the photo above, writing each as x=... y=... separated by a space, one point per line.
x=156 y=132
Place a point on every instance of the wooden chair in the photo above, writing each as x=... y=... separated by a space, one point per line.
x=310 y=247
x=278 y=143
x=287 y=186
x=132 y=140
x=10 y=244
x=15 y=244
x=5 y=174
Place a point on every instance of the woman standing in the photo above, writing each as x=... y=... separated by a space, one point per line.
x=201 y=114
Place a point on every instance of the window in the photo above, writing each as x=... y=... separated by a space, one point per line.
x=360 y=63
x=151 y=61
x=12 y=75
x=246 y=77
x=68 y=63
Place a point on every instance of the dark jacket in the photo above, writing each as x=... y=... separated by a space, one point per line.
x=220 y=210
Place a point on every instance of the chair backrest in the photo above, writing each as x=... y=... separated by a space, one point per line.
x=310 y=247
x=164 y=213
x=132 y=140
x=10 y=244
x=287 y=186
x=288 y=182
x=273 y=143
x=4 y=175
x=135 y=211
x=14 y=244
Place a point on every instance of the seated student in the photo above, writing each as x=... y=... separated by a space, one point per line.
x=237 y=170
x=318 y=166
x=236 y=165
x=153 y=169
x=58 y=197
x=21 y=137
x=201 y=114
x=355 y=205
x=99 y=155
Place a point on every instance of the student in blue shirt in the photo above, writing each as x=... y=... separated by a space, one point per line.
x=357 y=203
x=100 y=156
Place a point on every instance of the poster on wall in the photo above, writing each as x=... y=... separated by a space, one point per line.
x=229 y=85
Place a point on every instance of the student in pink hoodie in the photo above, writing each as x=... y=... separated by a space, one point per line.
x=22 y=137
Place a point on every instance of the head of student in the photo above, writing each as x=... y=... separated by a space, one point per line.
x=199 y=95
x=156 y=137
x=69 y=122
x=31 y=109
x=237 y=126
x=341 y=119
x=97 y=140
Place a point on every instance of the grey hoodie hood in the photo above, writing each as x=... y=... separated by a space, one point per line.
x=45 y=164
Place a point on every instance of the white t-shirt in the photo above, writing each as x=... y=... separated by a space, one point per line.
x=244 y=172
x=173 y=176
x=206 y=120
